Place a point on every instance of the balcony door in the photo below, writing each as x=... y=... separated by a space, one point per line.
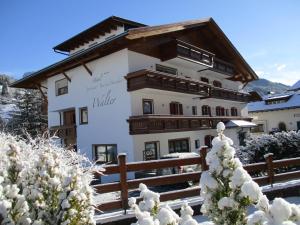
x=69 y=117
x=69 y=122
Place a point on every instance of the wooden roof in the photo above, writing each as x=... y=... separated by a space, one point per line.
x=97 y=30
x=141 y=39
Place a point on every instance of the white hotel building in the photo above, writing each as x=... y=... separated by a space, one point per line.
x=144 y=90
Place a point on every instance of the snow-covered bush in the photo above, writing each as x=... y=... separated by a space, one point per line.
x=43 y=184
x=227 y=190
x=150 y=212
x=282 y=145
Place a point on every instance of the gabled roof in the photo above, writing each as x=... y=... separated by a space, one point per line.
x=95 y=31
x=261 y=106
x=136 y=34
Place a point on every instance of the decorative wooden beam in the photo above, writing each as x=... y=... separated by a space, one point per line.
x=66 y=76
x=43 y=94
x=87 y=69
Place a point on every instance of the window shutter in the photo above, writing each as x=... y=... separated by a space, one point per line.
x=180 y=109
x=172 y=108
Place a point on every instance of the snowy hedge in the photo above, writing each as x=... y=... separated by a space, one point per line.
x=282 y=145
x=227 y=190
x=43 y=184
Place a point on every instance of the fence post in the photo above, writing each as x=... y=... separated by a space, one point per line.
x=203 y=152
x=270 y=167
x=123 y=180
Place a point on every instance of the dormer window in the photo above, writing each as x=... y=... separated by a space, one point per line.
x=61 y=87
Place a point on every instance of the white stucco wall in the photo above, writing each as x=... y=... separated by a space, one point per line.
x=271 y=119
x=107 y=123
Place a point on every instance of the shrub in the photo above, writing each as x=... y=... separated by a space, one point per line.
x=282 y=145
x=43 y=184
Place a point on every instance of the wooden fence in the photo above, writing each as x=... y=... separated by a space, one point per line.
x=267 y=171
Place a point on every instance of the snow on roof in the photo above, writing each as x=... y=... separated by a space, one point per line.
x=278 y=96
x=239 y=123
x=296 y=86
x=293 y=102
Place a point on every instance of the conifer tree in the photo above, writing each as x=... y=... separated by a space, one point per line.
x=30 y=117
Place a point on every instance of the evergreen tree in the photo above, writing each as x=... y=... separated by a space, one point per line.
x=30 y=118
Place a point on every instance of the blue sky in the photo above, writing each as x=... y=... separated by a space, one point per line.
x=265 y=32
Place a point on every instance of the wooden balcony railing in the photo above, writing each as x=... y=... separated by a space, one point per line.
x=223 y=67
x=64 y=131
x=191 y=52
x=227 y=94
x=163 y=81
x=148 y=124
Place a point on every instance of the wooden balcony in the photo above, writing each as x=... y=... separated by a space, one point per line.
x=231 y=95
x=167 y=82
x=64 y=131
x=186 y=51
x=223 y=67
x=163 y=81
x=148 y=124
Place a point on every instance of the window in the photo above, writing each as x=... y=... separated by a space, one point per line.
x=227 y=112
x=207 y=140
x=204 y=79
x=194 y=110
x=148 y=106
x=176 y=108
x=206 y=110
x=83 y=115
x=197 y=144
x=166 y=69
x=105 y=153
x=220 y=111
x=61 y=87
x=217 y=83
x=151 y=150
x=234 y=111
x=179 y=145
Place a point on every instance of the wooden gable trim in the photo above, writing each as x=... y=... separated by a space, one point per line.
x=161 y=29
x=66 y=76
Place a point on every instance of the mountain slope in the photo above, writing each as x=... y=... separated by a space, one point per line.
x=264 y=86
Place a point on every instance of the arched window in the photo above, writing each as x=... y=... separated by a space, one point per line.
x=234 y=111
x=217 y=83
x=207 y=140
x=206 y=110
x=220 y=111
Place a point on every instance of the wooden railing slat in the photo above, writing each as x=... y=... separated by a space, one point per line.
x=163 y=163
x=163 y=180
